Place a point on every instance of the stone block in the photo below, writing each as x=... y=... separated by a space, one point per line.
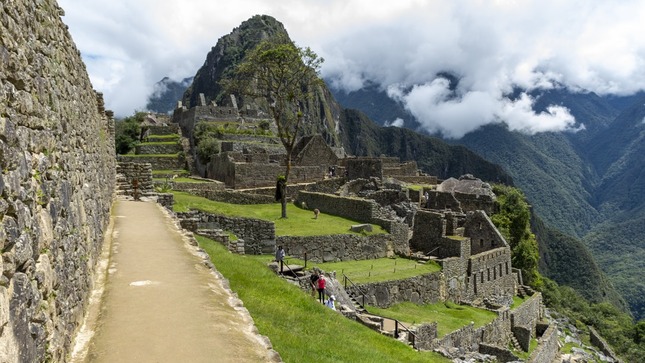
x=361 y=227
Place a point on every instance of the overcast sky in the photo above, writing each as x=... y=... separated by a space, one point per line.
x=492 y=46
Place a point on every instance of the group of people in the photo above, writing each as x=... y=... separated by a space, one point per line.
x=319 y=283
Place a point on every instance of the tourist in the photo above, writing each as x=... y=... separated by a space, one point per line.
x=321 y=288
x=279 y=257
x=314 y=283
x=330 y=302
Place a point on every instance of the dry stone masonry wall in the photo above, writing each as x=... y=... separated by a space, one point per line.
x=56 y=183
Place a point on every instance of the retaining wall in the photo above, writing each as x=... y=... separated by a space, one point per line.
x=57 y=180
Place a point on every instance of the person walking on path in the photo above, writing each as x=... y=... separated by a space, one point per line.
x=279 y=257
x=321 y=288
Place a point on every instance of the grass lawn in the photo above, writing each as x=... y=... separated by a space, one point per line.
x=299 y=328
x=159 y=143
x=366 y=271
x=299 y=223
x=169 y=171
x=449 y=316
x=170 y=136
x=517 y=301
x=152 y=155
x=182 y=180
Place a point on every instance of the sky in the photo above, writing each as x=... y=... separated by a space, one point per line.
x=404 y=46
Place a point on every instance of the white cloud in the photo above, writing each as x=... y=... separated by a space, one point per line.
x=491 y=47
x=396 y=123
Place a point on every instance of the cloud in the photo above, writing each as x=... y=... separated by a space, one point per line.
x=396 y=123
x=492 y=47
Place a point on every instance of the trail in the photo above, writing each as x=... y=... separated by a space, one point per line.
x=162 y=304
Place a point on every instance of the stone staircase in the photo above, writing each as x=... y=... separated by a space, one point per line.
x=524 y=291
x=515 y=344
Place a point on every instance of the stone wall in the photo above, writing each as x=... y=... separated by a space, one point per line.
x=258 y=235
x=230 y=196
x=363 y=168
x=211 y=186
x=240 y=175
x=490 y=276
x=422 y=289
x=340 y=247
x=356 y=209
x=421 y=179
x=548 y=347
x=428 y=229
x=57 y=174
x=163 y=130
x=157 y=148
x=128 y=172
x=598 y=341
x=528 y=314
x=442 y=201
x=173 y=162
x=483 y=234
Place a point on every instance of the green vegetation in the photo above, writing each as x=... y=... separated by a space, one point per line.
x=449 y=316
x=169 y=136
x=127 y=133
x=367 y=271
x=617 y=327
x=301 y=222
x=512 y=221
x=153 y=143
x=170 y=172
x=295 y=323
x=152 y=155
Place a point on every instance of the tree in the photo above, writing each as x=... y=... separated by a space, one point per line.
x=285 y=77
x=513 y=221
x=127 y=133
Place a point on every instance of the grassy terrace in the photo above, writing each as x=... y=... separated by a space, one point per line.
x=170 y=172
x=366 y=271
x=299 y=328
x=170 y=136
x=159 y=143
x=449 y=316
x=182 y=180
x=152 y=155
x=299 y=223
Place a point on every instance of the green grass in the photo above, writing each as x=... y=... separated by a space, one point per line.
x=152 y=155
x=525 y=355
x=517 y=301
x=170 y=136
x=182 y=180
x=169 y=171
x=299 y=328
x=300 y=222
x=449 y=316
x=420 y=187
x=158 y=143
x=366 y=271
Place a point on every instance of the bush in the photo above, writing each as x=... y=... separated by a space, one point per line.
x=127 y=133
x=207 y=148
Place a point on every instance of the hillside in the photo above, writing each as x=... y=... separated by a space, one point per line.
x=578 y=183
x=166 y=94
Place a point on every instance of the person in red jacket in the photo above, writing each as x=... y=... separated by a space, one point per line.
x=321 y=287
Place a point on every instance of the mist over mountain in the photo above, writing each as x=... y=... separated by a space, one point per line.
x=588 y=183
x=166 y=94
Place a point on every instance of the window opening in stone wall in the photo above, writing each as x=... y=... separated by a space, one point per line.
x=488 y=271
x=482 y=277
x=495 y=273
x=507 y=268
x=481 y=242
x=492 y=243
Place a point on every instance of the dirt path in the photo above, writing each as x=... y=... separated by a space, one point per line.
x=161 y=304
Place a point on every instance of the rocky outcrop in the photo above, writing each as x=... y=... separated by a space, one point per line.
x=57 y=169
